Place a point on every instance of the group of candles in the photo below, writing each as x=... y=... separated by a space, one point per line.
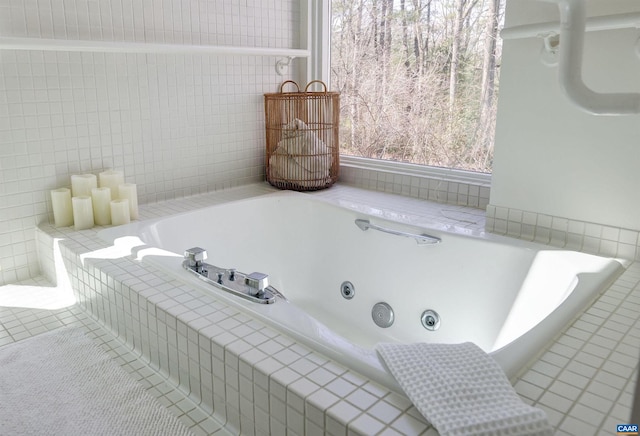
x=92 y=200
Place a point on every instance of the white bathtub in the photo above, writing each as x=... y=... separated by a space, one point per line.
x=508 y=296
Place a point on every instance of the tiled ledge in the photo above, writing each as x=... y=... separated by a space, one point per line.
x=259 y=381
x=441 y=185
x=564 y=233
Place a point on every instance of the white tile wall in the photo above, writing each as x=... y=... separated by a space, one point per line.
x=564 y=232
x=176 y=124
x=256 y=23
x=434 y=189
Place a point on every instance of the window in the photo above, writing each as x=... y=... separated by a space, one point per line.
x=418 y=79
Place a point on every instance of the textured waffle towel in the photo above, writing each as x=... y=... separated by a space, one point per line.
x=461 y=390
x=61 y=383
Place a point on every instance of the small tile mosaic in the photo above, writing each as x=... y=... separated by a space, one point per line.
x=432 y=189
x=256 y=380
x=564 y=233
x=251 y=22
x=176 y=124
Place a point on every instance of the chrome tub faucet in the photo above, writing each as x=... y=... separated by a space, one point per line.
x=253 y=287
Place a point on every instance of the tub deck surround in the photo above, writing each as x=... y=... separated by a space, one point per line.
x=443 y=185
x=246 y=374
x=527 y=296
x=565 y=233
x=259 y=381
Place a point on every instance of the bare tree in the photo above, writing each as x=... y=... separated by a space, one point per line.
x=456 y=40
x=459 y=42
x=487 y=90
x=405 y=37
x=421 y=33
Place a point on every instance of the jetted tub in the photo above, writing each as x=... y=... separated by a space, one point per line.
x=510 y=297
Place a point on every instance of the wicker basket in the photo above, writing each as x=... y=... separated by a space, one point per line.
x=302 y=138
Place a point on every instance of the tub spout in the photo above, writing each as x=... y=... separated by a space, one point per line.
x=195 y=258
x=257 y=283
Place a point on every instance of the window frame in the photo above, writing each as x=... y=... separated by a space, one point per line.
x=316 y=36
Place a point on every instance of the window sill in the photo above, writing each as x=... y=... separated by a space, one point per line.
x=414 y=170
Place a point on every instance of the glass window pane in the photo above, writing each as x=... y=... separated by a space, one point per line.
x=418 y=79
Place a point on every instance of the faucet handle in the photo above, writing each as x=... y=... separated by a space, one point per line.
x=232 y=274
x=257 y=282
x=195 y=256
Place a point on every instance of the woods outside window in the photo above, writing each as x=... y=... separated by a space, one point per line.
x=418 y=79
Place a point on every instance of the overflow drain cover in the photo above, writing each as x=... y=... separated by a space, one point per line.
x=382 y=315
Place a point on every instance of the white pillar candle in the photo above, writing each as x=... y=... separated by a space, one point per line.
x=62 y=210
x=82 y=212
x=82 y=184
x=120 y=212
x=101 y=199
x=111 y=179
x=128 y=191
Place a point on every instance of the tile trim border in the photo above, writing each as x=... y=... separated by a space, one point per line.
x=563 y=232
x=471 y=192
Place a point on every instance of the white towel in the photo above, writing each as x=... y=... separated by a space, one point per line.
x=301 y=157
x=461 y=390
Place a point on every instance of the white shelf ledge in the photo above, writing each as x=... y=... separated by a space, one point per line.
x=68 y=45
x=606 y=22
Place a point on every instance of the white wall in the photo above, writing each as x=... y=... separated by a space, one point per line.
x=176 y=124
x=551 y=157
